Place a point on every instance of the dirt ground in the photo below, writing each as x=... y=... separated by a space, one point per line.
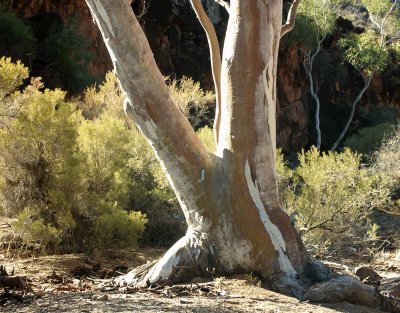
x=75 y=283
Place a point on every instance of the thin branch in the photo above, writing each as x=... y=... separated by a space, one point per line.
x=291 y=18
x=353 y=109
x=374 y=21
x=223 y=4
x=310 y=60
x=215 y=56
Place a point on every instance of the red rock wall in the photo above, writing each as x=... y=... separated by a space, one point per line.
x=66 y=9
x=180 y=48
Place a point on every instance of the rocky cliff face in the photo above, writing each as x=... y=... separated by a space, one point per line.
x=44 y=13
x=180 y=48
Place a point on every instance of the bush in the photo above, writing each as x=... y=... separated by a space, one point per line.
x=119 y=229
x=12 y=76
x=107 y=97
x=66 y=180
x=41 y=168
x=386 y=162
x=329 y=196
x=207 y=137
x=194 y=103
x=380 y=121
x=82 y=184
x=368 y=139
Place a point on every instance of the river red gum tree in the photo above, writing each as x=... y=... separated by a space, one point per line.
x=230 y=197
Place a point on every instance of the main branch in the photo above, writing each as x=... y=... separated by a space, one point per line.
x=215 y=56
x=309 y=68
x=147 y=98
x=291 y=18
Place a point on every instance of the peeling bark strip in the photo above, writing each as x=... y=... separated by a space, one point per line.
x=273 y=231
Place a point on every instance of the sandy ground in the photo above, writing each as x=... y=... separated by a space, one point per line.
x=72 y=283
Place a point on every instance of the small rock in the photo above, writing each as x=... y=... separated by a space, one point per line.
x=364 y=272
x=395 y=292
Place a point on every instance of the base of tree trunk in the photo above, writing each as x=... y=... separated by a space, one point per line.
x=189 y=258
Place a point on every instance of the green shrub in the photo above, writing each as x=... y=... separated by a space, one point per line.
x=68 y=181
x=12 y=76
x=107 y=97
x=368 y=139
x=194 y=103
x=386 y=162
x=329 y=196
x=82 y=184
x=207 y=137
x=138 y=177
x=119 y=229
x=41 y=168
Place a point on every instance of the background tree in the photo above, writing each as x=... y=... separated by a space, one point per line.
x=367 y=52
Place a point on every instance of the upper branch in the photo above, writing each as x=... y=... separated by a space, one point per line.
x=215 y=55
x=147 y=99
x=291 y=17
x=223 y=4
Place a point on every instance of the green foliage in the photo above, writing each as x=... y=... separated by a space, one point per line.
x=206 y=135
x=386 y=162
x=106 y=144
x=379 y=11
x=76 y=183
x=12 y=76
x=119 y=229
x=66 y=54
x=314 y=20
x=16 y=37
x=108 y=96
x=192 y=101
x=368 y=139
x=364 y=51
x=381 y=114
x=40 y=166
x=66 y=180
x=380 y=122
x=321 y=13
x=304 y=33
x=138 y=182
x=329 y=195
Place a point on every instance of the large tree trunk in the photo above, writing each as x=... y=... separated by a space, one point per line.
x=230 y=198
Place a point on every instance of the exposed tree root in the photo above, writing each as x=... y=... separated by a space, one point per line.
x=351 y=289
x=187 y=258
